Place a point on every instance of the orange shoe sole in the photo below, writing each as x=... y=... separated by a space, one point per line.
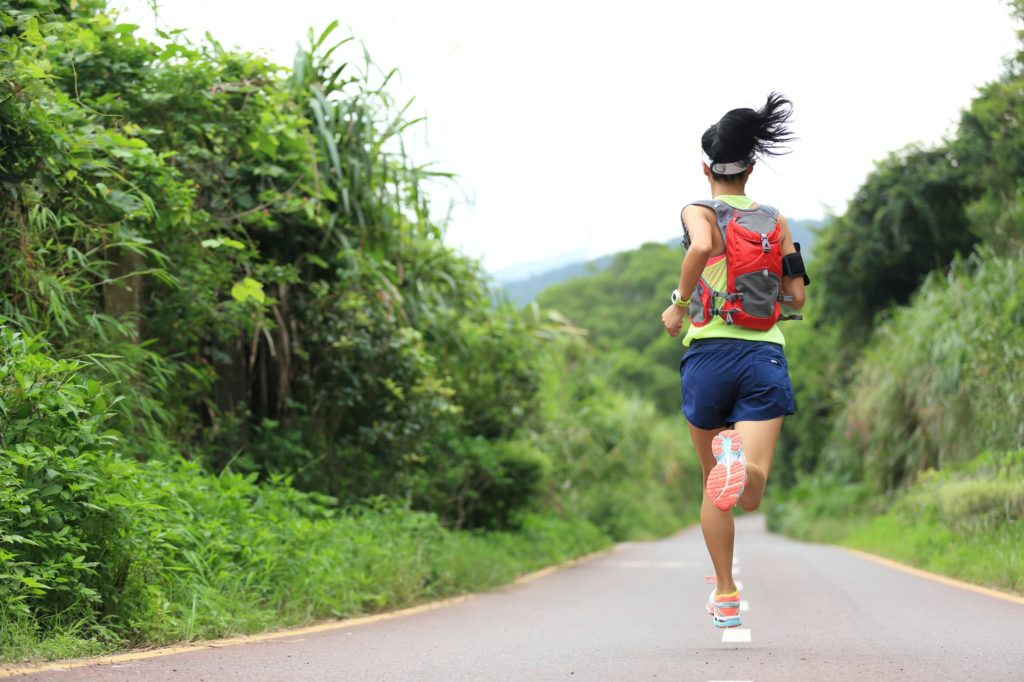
x=727 y=480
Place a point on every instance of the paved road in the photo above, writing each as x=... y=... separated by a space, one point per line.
x=812 y=613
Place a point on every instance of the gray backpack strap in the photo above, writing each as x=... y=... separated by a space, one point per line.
x=761 y=219
x=723 y=213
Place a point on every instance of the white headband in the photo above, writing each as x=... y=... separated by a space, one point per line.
x=726 y=168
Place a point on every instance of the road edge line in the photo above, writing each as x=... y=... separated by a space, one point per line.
x=934 y=577
x=554 y=568
x=326 y=626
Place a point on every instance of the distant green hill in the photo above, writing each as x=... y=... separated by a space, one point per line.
x=523 y=291
x=804 y=233
x=621 y=307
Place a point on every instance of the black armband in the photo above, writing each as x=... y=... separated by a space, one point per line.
x=793 y=266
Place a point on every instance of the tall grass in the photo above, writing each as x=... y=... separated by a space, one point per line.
x=187 y=555
x=966 y=521
x=942 y=379
x=940 y=382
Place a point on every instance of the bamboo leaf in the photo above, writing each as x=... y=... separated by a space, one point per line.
x=326 y=32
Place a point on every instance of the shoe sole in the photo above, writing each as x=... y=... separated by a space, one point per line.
x=726 y=622
x=726 y=481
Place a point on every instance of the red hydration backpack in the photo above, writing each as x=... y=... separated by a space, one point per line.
x=753 y=255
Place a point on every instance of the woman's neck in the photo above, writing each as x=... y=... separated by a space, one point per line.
x=733 y=188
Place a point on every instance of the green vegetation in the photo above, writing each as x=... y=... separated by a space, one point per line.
x=243 y=383
x=618 y=308
x=964 y=521
x=941 y=379
x=912 y=366
x=167 y=551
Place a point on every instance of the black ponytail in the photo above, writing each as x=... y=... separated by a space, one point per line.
x=742 y=135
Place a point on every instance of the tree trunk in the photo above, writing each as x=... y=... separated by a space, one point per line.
x=122 y=297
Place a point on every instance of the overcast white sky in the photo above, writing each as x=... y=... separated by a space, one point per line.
x=575 y=126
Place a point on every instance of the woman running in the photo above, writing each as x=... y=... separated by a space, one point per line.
x=740 y=263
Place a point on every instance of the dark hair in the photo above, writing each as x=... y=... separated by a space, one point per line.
x=744 y=134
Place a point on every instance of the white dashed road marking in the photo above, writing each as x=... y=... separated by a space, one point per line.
x=731 y=635
x=735 y=635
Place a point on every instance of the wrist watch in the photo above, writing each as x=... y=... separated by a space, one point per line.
x=677 y=299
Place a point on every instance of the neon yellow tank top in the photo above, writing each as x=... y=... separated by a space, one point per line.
x=716 y=276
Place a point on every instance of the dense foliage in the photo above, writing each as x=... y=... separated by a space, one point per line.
x=268 y=239
x=244 y=382
x=966 y=374
x=165 y=551
x=905 y=221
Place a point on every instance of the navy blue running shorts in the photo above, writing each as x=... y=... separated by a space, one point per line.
x=730 y=380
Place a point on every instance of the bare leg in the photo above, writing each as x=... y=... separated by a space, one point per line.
x=717 y=525
x=759 y=439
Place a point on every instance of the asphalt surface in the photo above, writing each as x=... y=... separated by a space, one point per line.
x=812 y=613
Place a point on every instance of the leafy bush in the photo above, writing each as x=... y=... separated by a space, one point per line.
x=186 y=555
x=823 y=508
x=109 y=548
x=986 y=494
x=484 y=484
x=305 y=313
x=53 y=438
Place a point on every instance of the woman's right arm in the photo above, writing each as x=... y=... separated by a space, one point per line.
x=698 y=226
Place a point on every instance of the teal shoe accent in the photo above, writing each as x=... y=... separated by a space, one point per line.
x=726 y=622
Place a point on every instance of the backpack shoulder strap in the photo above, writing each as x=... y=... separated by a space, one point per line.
x=723 y=214
x=762 y=218
x=768 y=210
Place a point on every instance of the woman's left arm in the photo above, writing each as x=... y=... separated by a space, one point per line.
x=791 y=286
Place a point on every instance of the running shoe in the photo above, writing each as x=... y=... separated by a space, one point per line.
x=724 y=609
x=727 y=480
